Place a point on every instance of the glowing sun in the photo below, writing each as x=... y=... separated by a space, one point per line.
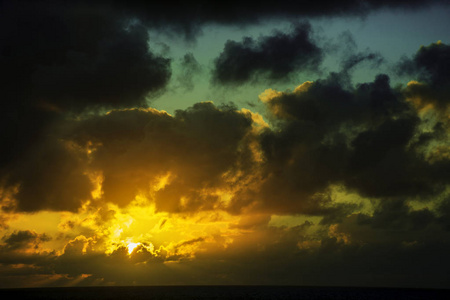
x=131 y=247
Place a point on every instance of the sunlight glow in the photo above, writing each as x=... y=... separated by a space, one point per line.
x=131 y=247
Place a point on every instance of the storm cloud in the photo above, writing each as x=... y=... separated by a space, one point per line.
x=194 y=148
x=187 y=18
x=57 y=62
x=362 y=137
x=272 y=57
x=430 y=68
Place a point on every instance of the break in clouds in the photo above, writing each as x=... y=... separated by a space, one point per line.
x=365 y=167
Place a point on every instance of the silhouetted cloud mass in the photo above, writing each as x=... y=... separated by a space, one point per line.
x=430 y=65
x=272 y=57
x=59 y=60
x=363 y=137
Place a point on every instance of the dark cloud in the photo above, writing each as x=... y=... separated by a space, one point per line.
x=430 y=66
x=52 y=177
x=396 y=214
x=329 y=132
x=23 y=239
x=180 y=18
x=383 y=165
x=58 y=61
x=194 y=148
x=71 y=58
x=352 y=61
x=367 y=139
x=444 y=214
x=272 y=57
x=187 y=17
x=121 y=73
x=350 y=58
x=430 y=63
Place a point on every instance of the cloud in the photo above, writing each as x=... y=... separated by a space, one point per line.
x=55 y=69
x=52 y=177
x=120 y=72
x=430 y=66
x=191 y=150
x=345 y=48
x=189 y=69
x=330 y=133
x=367 y=139
x=358 y=58
x=57 y=62
x=188 y=18
x=271 y=57
x=75 y=57
x=396 y=214
x=23 y=239
x=430 y=63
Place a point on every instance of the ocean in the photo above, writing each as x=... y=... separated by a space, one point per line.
x=221 y=292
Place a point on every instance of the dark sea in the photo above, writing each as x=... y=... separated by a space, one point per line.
x=222 y=292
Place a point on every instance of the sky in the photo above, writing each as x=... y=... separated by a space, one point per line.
x=225 y=143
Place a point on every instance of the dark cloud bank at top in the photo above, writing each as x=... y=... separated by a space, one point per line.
x=187 y=15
